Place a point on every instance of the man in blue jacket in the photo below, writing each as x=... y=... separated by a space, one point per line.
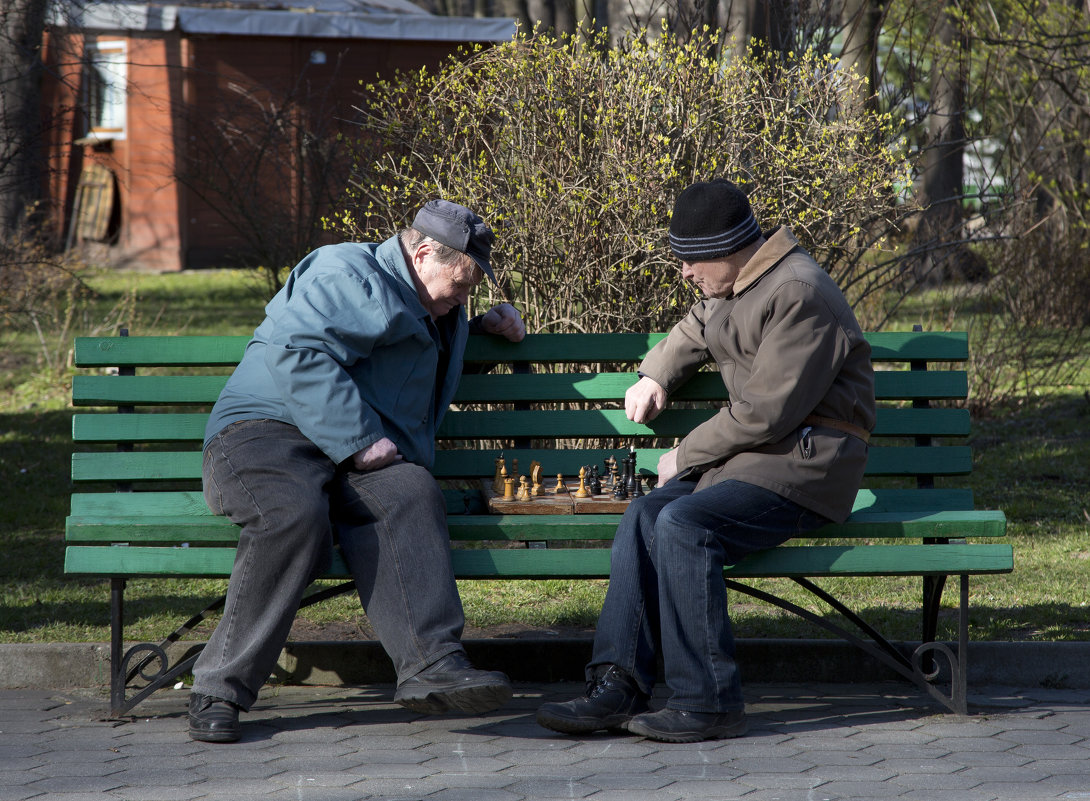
x=325 y=434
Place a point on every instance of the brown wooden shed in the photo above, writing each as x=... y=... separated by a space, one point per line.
x=158 y=112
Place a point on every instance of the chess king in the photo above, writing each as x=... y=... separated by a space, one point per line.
x=325 y=432
x=785 y=456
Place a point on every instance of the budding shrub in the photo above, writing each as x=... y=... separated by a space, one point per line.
x=575 y=152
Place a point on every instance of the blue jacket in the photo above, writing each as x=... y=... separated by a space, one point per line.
x=348 y=355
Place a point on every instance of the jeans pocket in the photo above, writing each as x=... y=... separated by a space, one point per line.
x=213 y=496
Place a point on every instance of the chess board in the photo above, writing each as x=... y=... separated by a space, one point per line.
x=551 y=502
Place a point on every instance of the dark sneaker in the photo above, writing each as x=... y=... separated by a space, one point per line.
x=676 y=726
x=213 y=720
x=453 y=685
x=610 y=701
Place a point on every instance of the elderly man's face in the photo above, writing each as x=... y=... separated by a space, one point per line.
x=440 y=286
x=714 y=278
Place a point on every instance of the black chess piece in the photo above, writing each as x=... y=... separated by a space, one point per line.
x=595 y=482
x=630 y=474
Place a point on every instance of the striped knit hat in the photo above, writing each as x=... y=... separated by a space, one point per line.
x=712 y=219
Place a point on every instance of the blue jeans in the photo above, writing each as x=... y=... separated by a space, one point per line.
x=293 y=503
x=666 y=590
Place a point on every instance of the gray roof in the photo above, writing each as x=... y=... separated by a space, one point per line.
x=333 y=19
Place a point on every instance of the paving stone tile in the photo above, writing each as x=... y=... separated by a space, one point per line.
x=1018 y=792
x=235 y=770
x=770 y=765
x=547 y=788
x=998 y=758
x=627 y=781
x=938 y=794
x=712 y=789
x=541 y=757
x=157 y=794
x=870 y=791
x=956 y=744
x=473 y=794
x=74 y=784
x=864 y=757
x=663 y=794
x=913 y=767
x=15 y=777
x=699 y=772
x=575 y=771
x=318 y=763
x=18 y=793
x=1039 y=736
x=466 y=764
x=1052 y=751
x=859 y=773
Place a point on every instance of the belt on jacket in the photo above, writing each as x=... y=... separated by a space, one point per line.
x=839 y=425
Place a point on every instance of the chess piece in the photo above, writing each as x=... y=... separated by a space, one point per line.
x=630 y=473
x=509 y=489
x=582 y=491
x=535 y=479
x=620 y=485
x=595 y=483
x=524 y=489
x=560 y=489
x=501 y=476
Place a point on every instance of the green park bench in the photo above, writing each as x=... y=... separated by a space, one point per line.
x=138 y=512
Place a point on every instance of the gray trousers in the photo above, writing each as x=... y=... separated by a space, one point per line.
x=293 y=503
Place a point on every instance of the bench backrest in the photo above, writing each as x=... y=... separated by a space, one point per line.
x=554 y=398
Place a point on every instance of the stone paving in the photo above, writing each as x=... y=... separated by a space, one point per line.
x=806 y=743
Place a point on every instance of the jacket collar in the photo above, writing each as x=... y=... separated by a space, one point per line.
x=779 y=243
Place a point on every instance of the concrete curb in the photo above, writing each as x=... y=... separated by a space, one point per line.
x=1053 y=665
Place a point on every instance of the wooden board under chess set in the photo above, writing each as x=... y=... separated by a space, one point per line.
x=550 y=501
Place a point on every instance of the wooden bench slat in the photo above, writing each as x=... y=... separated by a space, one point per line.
x=191 y=502
x=189 y=426
x=167 y=351
x=208 y=528
x=162 y=351
x=178 y=465
x=802 y=561
x=146 y=390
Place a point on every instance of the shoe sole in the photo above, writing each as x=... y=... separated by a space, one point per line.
x=615 y=723
x=715 y=733
x=472 y=700
x=215 y=736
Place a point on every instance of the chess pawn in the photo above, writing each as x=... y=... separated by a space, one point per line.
x=501 y=476
x=524 y=489
x=560 y=489
x=595 y=483
x=582 y=491
x=509 y=489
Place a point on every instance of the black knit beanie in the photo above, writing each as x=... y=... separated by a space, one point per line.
x=712 y=219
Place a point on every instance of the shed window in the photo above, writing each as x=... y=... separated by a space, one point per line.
x=105 y=89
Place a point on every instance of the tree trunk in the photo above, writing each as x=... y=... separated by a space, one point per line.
x=942 y=174
x=21 y=25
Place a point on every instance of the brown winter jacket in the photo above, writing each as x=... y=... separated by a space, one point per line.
x=788 y=346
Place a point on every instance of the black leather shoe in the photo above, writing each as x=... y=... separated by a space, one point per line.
x=213 y=720
x=453 y=685
x=609 y=703
x=677 y=726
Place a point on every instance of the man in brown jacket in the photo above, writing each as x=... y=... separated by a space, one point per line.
x=784 y=456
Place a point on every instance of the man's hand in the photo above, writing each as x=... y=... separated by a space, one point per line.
x=377 y=454
x=504 y=320
x=667 y=466
x=644 y=400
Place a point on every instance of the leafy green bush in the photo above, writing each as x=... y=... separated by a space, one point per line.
x=575 y=152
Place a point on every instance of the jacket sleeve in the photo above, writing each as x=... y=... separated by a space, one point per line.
x=801 y=350
x=677 y=357
x=327 y=325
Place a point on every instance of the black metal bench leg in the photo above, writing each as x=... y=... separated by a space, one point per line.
x=117 y=637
